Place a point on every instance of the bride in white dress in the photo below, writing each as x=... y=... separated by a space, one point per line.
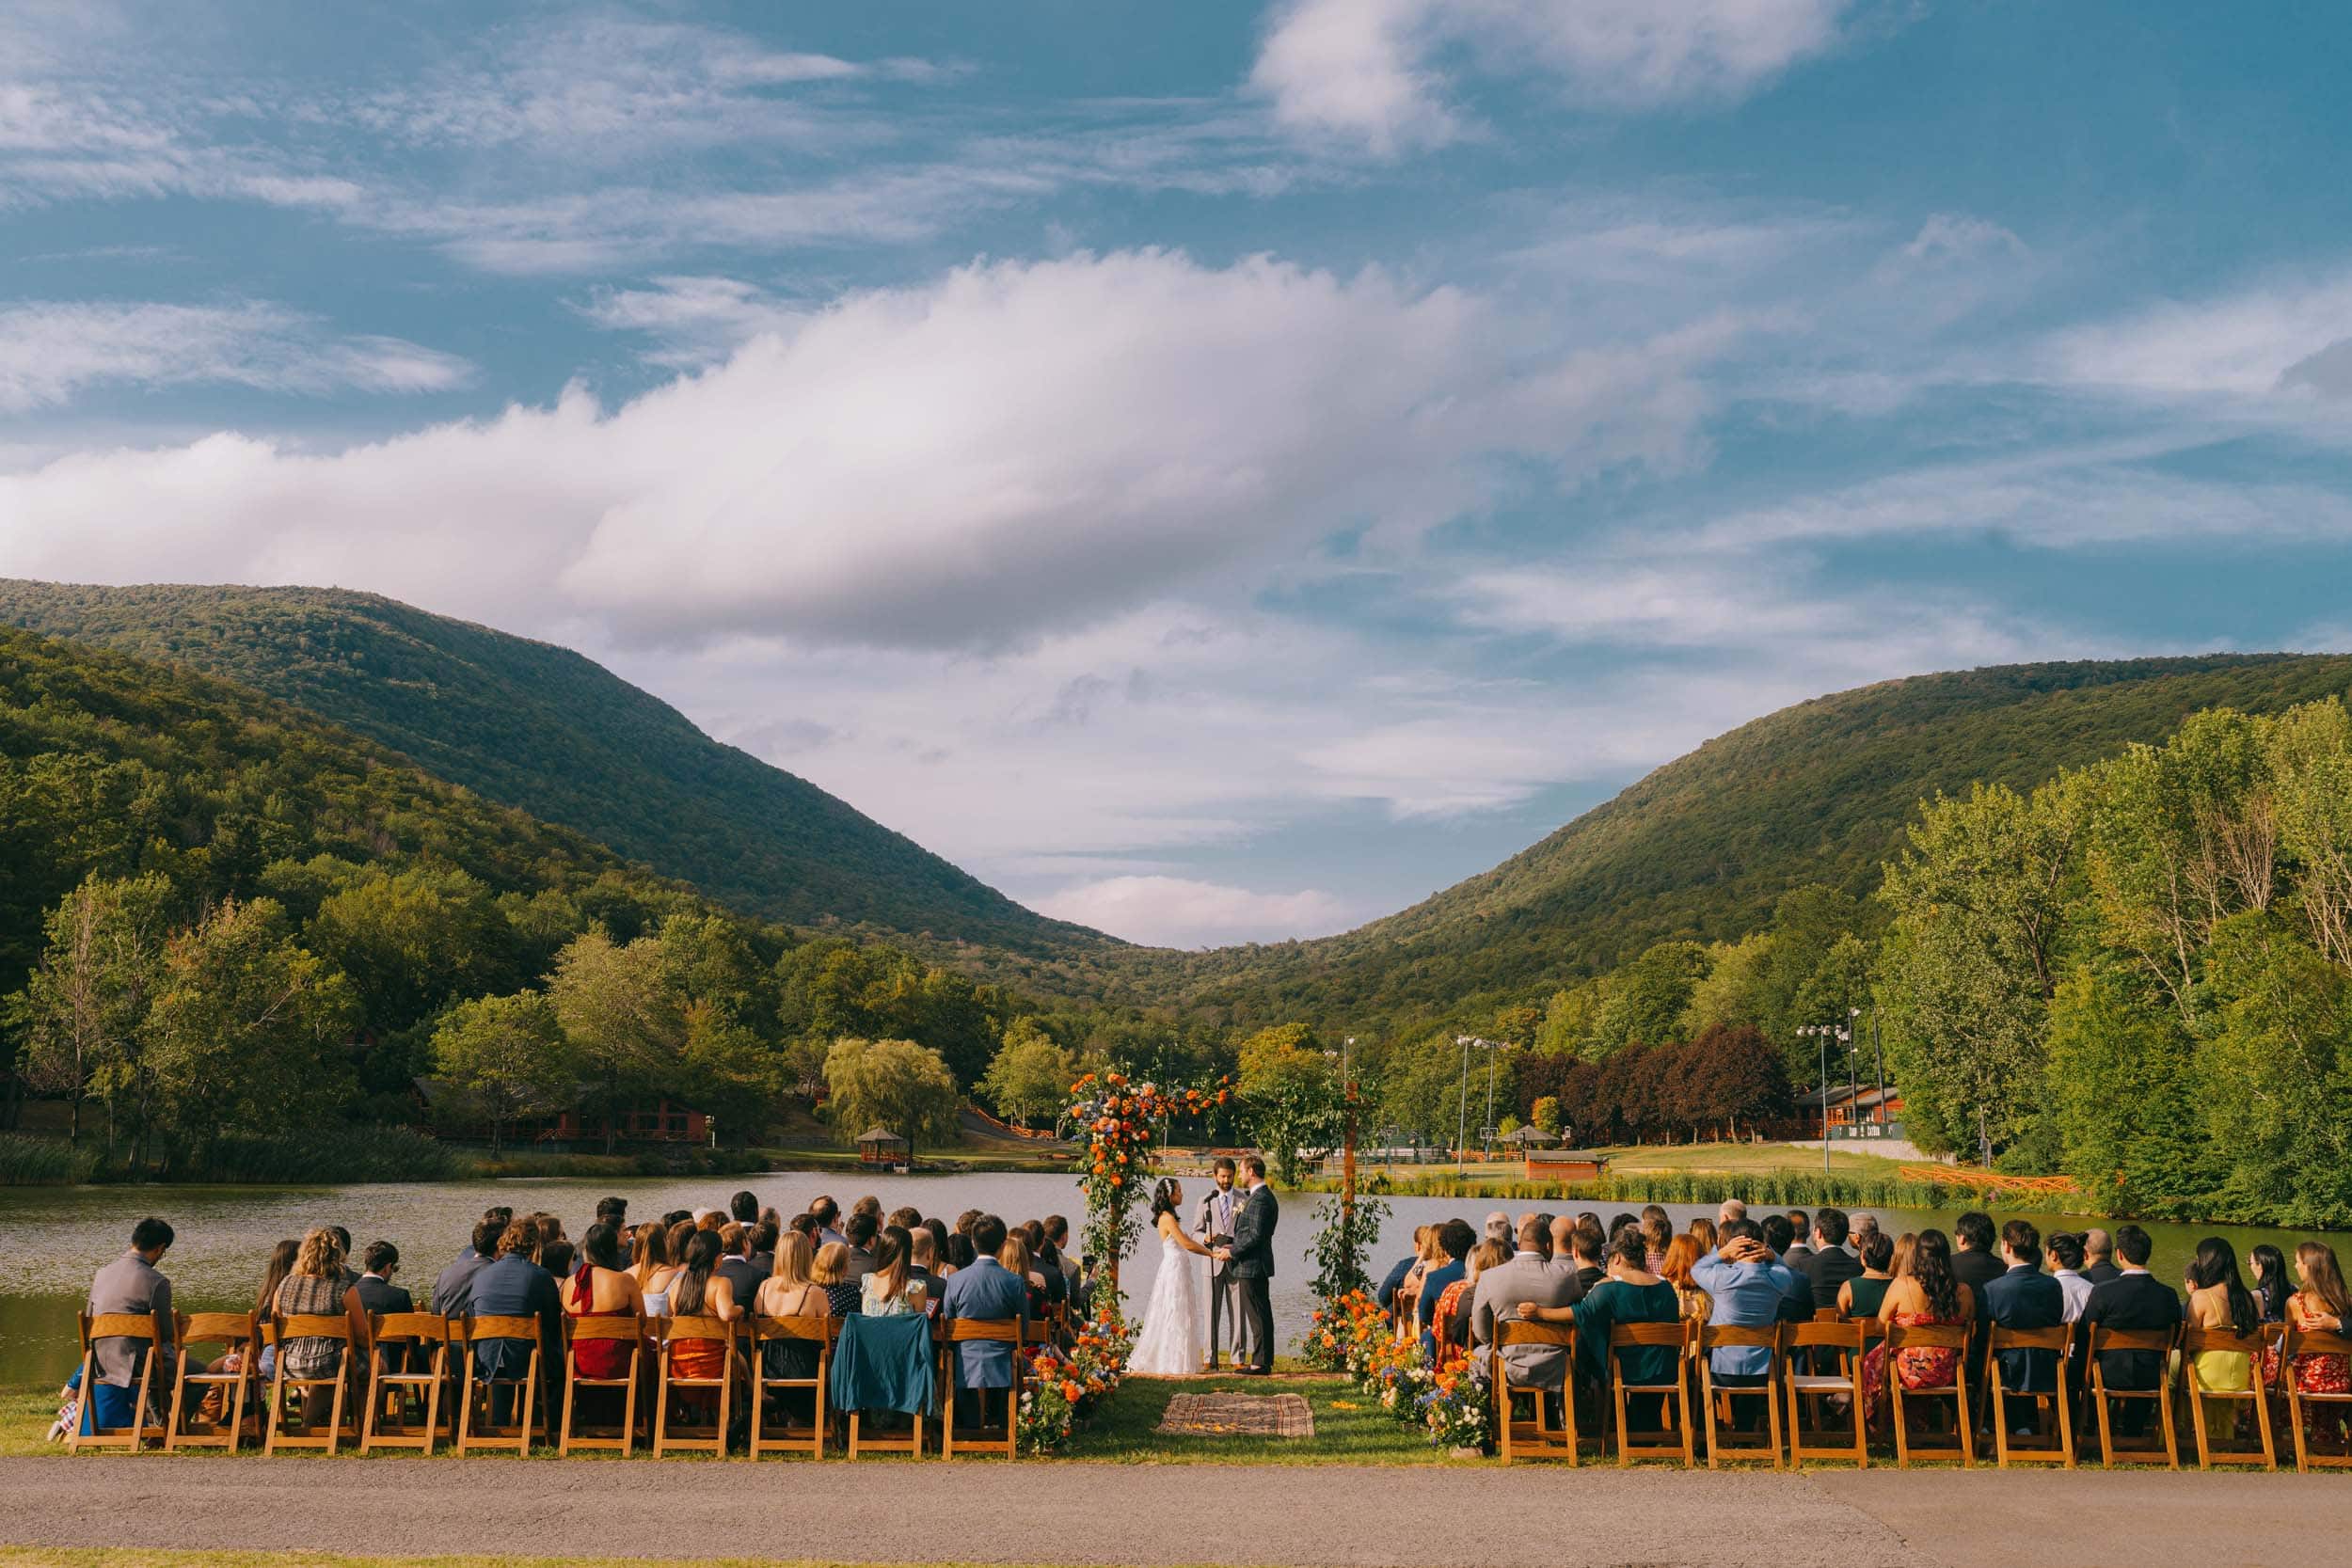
x=1175 y=1338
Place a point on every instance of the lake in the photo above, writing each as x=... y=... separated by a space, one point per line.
x=53 y=1238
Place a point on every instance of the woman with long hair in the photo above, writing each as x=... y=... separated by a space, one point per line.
x=1657 y=1234
x=1926 y=1294
x=1905 y=1244
x=942 y=1253
x=1428 y=1255
x=2217 y=1300
x=1450 y=1322
x=602 y=1288
x=790 y=1290
x=650 y=1251
x=2321 y=1307
x=1703 y=1233
x=1014 y=1256
x=697 y=1289
x=885 y=1289
x=314 y=1288
x=1174 y=1340
x=1674 y=1269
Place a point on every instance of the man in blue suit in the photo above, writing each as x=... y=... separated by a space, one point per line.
x=987 y=1292
x=2024 y=1297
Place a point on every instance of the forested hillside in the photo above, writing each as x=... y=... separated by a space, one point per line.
x=1706 y=847
x=543 y=729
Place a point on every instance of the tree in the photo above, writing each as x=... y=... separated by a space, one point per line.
x=248 y=1032
x=1645 y=998
x=619 y=1014
x=1545 y=1114
x=84 y=1012
x=896 y=1085
x=414 y=939
x=1292 y=1096
x=1031 y=1075
x=510 y=1053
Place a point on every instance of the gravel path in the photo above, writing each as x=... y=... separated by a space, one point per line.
x=1150 y=1515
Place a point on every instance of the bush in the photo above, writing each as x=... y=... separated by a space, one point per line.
x=325 y=1154
x=30 y=1162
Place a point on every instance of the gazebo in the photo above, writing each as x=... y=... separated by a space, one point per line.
x=880 y=1146
x=1529 y=1136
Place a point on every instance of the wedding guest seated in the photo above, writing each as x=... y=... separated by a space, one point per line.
x=1658 y=1233
x=1831 y=1265
x=1861 y=1297
x=557 y=1258
x=699 y=1290
x=342 y=1242
x=985 y=1291
x=1589 y=1245
x=602 y=1288
x=743 y=1209
x=1751 y=1288
x=1455 y=1307
x=1058 y=1232
x=1925 y=1292
x=377 y=1293
x=2219 y=1299
x=923 y=1268
x=831 y=1271
x=1048 y=1262
x=1014 y=1256
x=614 y=1213
x=905 y=1217
x=2026 y=1298
x=1454 y=1240
x=315 y=1287
x=859 y=1230
x=1798 y=1255
x=788 y=1292
x=735 y=1260
x=453 y=1293
x=2133 y=1299
x=1530 y=1278
x=936 y=1228
x=1703 y=1231
x=1385 y=1296
x=885 y=1291
x=960 y=1252
x=2066 y=1266
x=2321 y=1307
x=1864 y=1226
x=1976 y=1265
x=1628 y=1294
x=515 y=1286
x=1732 y=1209
x=131 y=1284
x=648 y=1253
x=1796 y=1304
x=1682 y=1255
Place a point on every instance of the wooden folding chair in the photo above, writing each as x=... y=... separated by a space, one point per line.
x=2302 y=1407
x=1041 y=1332
x=787 y=1438
x=466 y=1334
x=2195 y=1341
x=1006 y=1331
x=593 y=1328
x=1952 y=1336
x=1539 y=1439
x=307 y=1325
x=693 y=1439
x=1810 y=1344
x=1765 y=1337
x=411 y=1362
x=2052 y=1408
x=1674 y=1395
x=230 y=1331
x=116 y=1326
x=2158 y=1343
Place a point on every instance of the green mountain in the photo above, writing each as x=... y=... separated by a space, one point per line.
x=1703 y=847
x=545 y=729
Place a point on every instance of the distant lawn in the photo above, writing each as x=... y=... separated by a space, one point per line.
x=1727 y=1159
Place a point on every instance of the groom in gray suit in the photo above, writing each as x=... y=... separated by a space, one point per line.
x=1219 y=1208
x=1250 y=1260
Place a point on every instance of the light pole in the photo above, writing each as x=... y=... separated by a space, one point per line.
x=1877 y=1049
x=1853 y=1067
x=1825 y=1033
x=1461 y=1107
x=1487 y=1129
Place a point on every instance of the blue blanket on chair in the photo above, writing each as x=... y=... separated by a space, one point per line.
x=884 y=1363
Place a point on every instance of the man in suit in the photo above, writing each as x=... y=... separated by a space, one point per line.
x=1975 y=1266
x=512 y=1286
x=1058 y=1232
x=1832 y=1265
x=1798 y=1258
x=2024 y=1297
x=735 y=1262
x=1796 y=1305
x=2133 y=1299
x=1250 y=1259
x=453 y=1293
x=986 y=1291
x=858 y=1231
x=2099 y=1258
x=377 y=1293
x=132 y=1285
x=1528 y=1276
x=1219 y=1207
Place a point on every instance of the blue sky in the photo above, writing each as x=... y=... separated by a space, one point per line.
x=1218 y=471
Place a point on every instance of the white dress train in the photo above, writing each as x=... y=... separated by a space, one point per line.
x=1175 y=1337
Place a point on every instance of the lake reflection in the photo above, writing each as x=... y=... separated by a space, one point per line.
x=53 y=1238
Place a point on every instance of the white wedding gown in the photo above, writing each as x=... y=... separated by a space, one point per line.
x=1175 y=1337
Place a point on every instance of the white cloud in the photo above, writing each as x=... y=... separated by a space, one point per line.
x=49 y=351
x=1178 y=912
x=691 y=319
x=1961 y=237
x=2249 y=344
x=1372 y=70
x=1014 y=447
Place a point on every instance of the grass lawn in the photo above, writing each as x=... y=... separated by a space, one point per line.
x=1349 y=1429
x=1745 y=1159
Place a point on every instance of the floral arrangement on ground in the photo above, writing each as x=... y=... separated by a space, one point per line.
x=1451 y=1402
x=1064 y=1388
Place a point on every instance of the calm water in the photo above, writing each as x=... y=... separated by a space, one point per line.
x=53 y=1238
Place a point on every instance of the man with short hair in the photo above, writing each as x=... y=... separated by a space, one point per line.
x=743 y=1209
x=1585 y=1245
x=2066 y=1267
x=614 y=1213
x=512 y=1286
x=377 y=1293
x=453 y=1293
x=1975 y=1266
x=762 y=1249
x=923 y=1264
x=2025 y=1298
x=1800 y=1254
x=1543 y=1231
x=985 y=1291
x=828 y=1214
x=1058 y=1232
x=1779 y=1237
x=2133 y=1299
x=1251 y=1257
x=735 y=1262
x=1731 y=1210
x=858 y=1231
x=2099 y=1258
x=1832 y=1263
x=135 y=1286
x=1220 y=1206
x=1528 y=1276
x=1749 y=1288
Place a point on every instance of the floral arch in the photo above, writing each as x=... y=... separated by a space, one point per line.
x=1117 y=1115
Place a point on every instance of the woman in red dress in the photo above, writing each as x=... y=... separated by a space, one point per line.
x=1924 y=1294
x=602 y=1288
x=2320 y=1306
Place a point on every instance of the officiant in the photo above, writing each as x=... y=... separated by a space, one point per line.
x=1213 y=1225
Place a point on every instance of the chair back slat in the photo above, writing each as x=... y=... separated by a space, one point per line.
x=1729 y=1336
x=498 y=1327
x=1676 y=1333
x=1509 y=1332
x=2030 y=1338
x=2155 y=1339
x=1006 y=1330
x=121 y=1326
x=1926 y=1337
x=604 y=1325
x=307 y=1325
x=1832 y=1331
x=429 y=1326
x=675 y=1329
x=2194 y=1342
x=814 y=1329
x=203 y=1328
x=2314 y=1341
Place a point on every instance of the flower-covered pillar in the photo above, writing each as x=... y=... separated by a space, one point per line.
x=1118 y=1116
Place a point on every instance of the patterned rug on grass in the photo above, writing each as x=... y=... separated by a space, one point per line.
x=1238 y=1415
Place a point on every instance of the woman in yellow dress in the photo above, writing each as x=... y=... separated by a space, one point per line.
x=2219 y=1299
